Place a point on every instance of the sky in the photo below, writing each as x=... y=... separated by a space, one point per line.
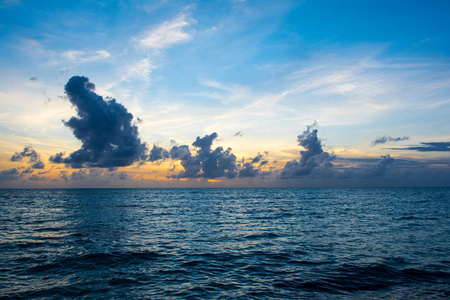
x=148 y=94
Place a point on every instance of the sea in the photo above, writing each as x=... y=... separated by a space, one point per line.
x=225 y=243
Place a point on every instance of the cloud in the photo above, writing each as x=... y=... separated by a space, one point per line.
x=140 y=70
x=312 y=159
x=385 y=139
x=83 y=57
x=257 y=158
x=109 y=139
x=428 y=147
x=34 y=158
x=10 y=175
x=158 y=153
x=93 y=175
x=63 y=176
x=167 y=34
x=370 y=171
x=37 y=178
x=28 y=170
x=123 y=176
x=84 y=174
x=239 y=133
x=248 y=170
x=206 y=163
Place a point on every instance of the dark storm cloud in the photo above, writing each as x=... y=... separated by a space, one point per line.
x=428 y=147
x=313 y=158
x=109 y=139
x=158 y=153
x=33 y=157
x=10 y=175
x=206 y=163
x=385 y=139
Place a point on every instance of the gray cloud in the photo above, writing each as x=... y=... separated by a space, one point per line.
x=206 y=163
x=248 y=170
x=28 y=170
x=257 y=158
x=34 y=158
x=10 y=175
x=369 y=171
x=109 y=139
x=158 y=153
x=385 y=139
x=37 y=178
x=428 y=147
x=313 y=158
x=63 y=176
x=239 y=133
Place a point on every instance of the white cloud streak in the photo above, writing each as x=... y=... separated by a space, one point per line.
x=167 y=34
x=83 y=57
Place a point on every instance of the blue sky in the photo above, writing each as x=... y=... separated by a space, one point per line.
x=255 y=72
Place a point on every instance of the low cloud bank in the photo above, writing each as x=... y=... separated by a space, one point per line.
x=315 y=162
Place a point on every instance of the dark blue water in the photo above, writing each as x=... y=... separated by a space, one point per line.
x=225 y=243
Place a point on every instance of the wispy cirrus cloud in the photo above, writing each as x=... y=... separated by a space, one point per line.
x=167 y=34
x=83 y=56
x=153 y=43
x=140 y=69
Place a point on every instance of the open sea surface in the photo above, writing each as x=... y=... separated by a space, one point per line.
x=225 y=244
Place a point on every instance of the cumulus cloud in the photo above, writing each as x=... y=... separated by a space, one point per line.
x=313 y=158
x=34 y=158
x=249 y=169
x=385 y=139
x=158 y=153
x=428 y=147
x=206 y=162
x=109 y=139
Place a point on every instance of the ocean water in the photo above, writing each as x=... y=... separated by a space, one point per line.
x=225 y=244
